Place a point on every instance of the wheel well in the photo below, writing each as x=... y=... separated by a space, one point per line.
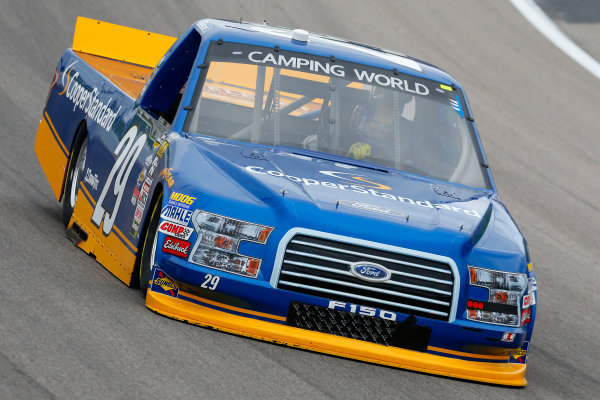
x=135 y=276
x=81 y=128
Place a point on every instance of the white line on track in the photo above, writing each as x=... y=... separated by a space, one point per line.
x=534 y=14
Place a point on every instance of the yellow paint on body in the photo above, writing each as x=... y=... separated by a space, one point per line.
x=52 y=155
x=109 y=250
x=497 y=373
x=120 y=42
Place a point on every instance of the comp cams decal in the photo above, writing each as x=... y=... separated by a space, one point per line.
x=176 y=230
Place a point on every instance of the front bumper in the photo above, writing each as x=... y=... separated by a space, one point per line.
x=179 y=304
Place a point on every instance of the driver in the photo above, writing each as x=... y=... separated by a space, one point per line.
x=372 y=126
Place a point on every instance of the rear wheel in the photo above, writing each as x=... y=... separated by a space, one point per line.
x=149 y=247
x=74 y=175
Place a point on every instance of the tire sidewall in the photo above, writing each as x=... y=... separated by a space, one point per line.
x=146 y=269
x=67 y=210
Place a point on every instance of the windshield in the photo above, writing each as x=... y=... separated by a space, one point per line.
x=282 y=98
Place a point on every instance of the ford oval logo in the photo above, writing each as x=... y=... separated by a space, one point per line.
x=370 y=271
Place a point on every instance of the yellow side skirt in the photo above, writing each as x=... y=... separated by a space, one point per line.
x=52 y=155
x=110 y=251
x=497 y=373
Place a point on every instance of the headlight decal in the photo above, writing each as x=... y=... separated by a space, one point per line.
x=218 y=243
x=505 y=291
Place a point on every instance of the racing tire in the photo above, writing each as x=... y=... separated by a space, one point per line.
x=74 y=175
x=149 y=247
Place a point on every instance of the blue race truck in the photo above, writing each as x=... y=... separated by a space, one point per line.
x=292 y=187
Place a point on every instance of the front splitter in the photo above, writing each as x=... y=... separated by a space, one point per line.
x=489 y=372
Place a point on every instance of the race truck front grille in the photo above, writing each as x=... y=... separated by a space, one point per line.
x=419 y=285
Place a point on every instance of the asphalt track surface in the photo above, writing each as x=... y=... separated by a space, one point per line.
x=70 y=330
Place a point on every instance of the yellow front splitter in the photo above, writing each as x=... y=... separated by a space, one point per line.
x=496 y=373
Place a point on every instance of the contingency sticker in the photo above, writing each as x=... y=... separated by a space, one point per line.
x=176 y=214
x=519 y=356
x=455 y=103
x=162 y=284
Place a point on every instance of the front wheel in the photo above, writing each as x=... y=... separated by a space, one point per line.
x=74 y=176
x=149 y=247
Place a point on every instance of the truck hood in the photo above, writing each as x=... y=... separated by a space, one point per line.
x=322 y=193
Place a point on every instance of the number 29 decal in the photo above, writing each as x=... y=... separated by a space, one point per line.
x=128 y=150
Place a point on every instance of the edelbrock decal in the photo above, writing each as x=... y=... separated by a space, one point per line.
x=177 y=247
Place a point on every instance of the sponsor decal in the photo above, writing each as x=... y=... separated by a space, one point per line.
x=162 y=148
x=362 y=186
x=141 y=176
x=356 y=179
x=508 y=337
x=91 y=179
x=525 y=316
x=161 y=283
x=153 y=166
x=137 y=219
x=168 y=175
x=148 y=160
x=519 y=356
x=444 y=192
x=528 y=300
x=176 y=230
x=136 y=189
x=134 y=197
x=370 y=271
x=86 y=99
x=143 y=196
x=139 y=210
x=135 y=228
x=142 y=199
x=312 y=65
x=455 y=104
x=177 y=247
x=202 y=27
x=374 y=208
x=140 y=203
x=176 y=214
x=181 y=200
